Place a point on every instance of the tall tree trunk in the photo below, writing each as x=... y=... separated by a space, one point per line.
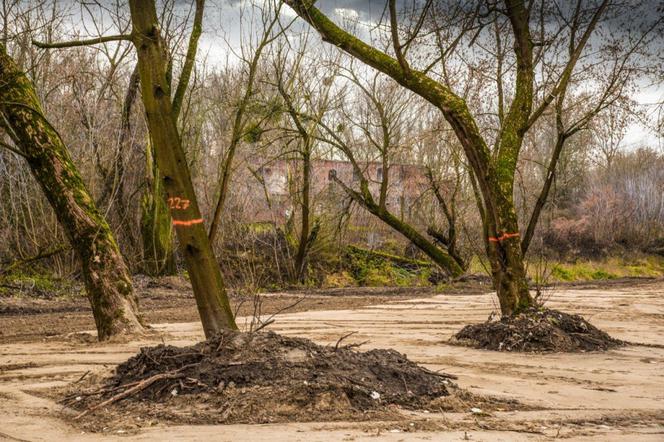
x=211 y=297
x=303 y=243
x=156 y=227
x=107 y=280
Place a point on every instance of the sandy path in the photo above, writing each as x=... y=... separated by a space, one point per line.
x=617 y=395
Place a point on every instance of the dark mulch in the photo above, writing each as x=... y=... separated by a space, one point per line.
x=537 y=329
x=260 y=377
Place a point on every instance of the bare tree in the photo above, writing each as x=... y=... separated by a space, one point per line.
x=537 y=42
x=161 y=112
x=107 y=279
x=293 y=87
x=375 y=127
x=251 y=55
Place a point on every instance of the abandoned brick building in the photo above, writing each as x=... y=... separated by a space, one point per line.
x=269 y=193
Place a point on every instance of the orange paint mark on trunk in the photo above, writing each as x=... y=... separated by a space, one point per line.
x=187 y=223
x=503 y=237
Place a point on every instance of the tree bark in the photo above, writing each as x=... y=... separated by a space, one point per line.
x=156 y=227
x=211 y=298
x=303 y=244
x=107 y=280
x=507 y=266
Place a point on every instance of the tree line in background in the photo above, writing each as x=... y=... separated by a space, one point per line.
x=149 y=153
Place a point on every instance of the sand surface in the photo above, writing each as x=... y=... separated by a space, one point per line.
x=616 y=395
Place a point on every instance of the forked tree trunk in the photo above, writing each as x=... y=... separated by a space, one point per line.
x=506 y=258
x=107 y=280
x=206 y=280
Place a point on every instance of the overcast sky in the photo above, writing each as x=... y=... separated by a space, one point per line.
x=222 y=21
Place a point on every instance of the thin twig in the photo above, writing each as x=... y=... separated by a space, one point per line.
x=263 y=325
x=82 y=377
x=135 y=389
x=336 y=346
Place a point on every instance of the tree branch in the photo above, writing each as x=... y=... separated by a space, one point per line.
x=395 y=36
x=569 y=68
x=13 y=149
x=88 y=42
x=453 y=107
x=190 y=58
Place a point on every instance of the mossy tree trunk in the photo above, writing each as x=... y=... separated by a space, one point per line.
x=366 y=200
x=493 y=171
x=156 y=226
x=211 y=297
x=107 y=280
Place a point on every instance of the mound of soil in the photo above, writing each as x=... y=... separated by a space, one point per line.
x=537 y=329
x=262 y=377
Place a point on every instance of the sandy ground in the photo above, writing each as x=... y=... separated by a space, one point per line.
x=617 y=395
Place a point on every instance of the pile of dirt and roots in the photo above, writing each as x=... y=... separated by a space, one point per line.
x=537 y=329
x=261 y=377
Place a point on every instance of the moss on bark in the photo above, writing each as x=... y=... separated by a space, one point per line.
x=156 y=227
x=207 y=283
x=107 y=280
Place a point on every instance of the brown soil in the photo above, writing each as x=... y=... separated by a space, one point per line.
x=26 y=316
x=537 y=329
x=265 y=377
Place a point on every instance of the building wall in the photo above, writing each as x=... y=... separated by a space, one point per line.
x=272 y=200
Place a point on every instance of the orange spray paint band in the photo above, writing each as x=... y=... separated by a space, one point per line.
x=503 y=236
x=187 y=223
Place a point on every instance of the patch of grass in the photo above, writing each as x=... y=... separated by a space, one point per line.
x=611 y=268
x=477 y=265
x=602 y=274
x=377 y=269
x=338 y=280
x=35 y=283
x=562 y=274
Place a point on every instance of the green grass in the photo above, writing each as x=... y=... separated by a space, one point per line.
x=586 y=270
x=379 y=269
x=35 y=282
x=610 y=268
